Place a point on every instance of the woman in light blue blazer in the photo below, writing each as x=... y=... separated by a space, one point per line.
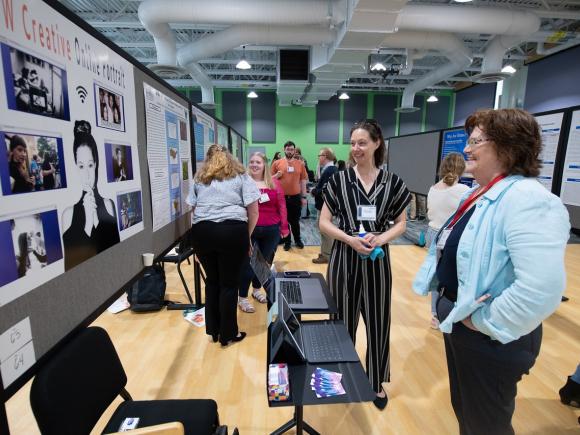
x=498 y=264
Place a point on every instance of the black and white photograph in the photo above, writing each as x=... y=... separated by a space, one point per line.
x=31 y=163
x=89 y=225
x=109 y=108
x=34 y=85
x=29 y=244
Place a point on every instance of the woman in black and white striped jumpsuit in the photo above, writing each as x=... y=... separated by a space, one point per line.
x=367 y=195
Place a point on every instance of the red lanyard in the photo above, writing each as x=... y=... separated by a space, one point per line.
x=472 y=198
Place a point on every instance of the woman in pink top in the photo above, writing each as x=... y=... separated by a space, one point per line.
x=272 y=224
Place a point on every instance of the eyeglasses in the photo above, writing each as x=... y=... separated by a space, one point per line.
x=475 y=143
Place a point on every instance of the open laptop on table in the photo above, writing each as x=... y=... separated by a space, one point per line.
x=319 y=341
x=301 y=293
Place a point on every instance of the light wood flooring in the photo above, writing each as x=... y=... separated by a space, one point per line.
x=166 y=357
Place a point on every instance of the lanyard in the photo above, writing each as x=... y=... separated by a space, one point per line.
x=472 y=198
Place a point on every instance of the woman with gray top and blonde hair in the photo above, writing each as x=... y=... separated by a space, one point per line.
x=442 y=200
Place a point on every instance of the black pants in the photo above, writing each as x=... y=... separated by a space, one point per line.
x=266 y=238
x=222 y=249
x=483 y=375
x=293 y=209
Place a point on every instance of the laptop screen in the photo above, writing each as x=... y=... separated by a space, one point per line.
x=259 y=265
x=291 y=325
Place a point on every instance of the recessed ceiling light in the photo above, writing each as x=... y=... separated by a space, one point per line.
x=508 y=69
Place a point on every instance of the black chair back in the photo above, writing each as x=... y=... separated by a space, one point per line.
x=74 y=388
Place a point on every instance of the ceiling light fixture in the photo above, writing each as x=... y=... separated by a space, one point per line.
x=432 y=99
x=379 y=66
x=252 y=94
x=463 y=1
x=508 y=69
x=343 y=96
x=243 y=63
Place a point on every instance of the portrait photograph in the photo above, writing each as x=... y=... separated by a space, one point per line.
x=31 y=163
x=109 y=108
x=34 y=85
x=31 y=243
x=130 y=210
x=119 y=162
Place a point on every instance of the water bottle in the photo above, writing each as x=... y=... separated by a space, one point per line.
x=361 y=233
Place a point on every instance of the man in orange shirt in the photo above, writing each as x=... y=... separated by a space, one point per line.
x=291 y=174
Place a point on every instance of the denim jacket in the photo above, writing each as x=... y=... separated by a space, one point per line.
x=513 y=249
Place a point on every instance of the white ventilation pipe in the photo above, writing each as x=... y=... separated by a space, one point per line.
x=493 y=59
x=411 y=56
x=461 y=19
x=155 y=16
x=450 y=46
x=197 y=72
x=235 y=36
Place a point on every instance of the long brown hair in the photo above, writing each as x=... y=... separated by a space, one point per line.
x=219 y=165
x=452 y=167
x=266 y=174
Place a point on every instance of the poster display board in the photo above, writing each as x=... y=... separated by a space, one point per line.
x=454 y=141
x=550 y=127
x=168 y=156
x=204 y=134
x=245 y=151
x=570 y=191
x=70 y=184
x=223 y=136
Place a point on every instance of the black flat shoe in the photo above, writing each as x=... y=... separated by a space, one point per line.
x=570 y=393
x=381 y=402
x=234 y=340
x=215 y=338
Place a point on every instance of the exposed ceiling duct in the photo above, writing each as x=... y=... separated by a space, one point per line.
x=341 y=34
x=156 y=16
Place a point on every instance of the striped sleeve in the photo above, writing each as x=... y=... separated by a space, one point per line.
x=400 y=197
x=330 y=193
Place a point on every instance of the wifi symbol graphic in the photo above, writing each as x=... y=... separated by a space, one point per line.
x=82 y=93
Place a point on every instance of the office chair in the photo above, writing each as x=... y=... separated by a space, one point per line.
x=75 y=387
x=184 y=250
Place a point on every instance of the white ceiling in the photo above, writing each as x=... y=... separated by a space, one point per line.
x=118 y=21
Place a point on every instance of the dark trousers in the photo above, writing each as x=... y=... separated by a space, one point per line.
x=222 y=249
x=294 y=210
x=266 y=238
x=483 y=375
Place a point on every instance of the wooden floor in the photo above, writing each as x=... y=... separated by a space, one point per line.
x=166 y=357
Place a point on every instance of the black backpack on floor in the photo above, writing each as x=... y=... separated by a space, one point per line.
x=148 y=292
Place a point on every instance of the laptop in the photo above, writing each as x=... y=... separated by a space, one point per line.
x=301 y=293
x=316 y=342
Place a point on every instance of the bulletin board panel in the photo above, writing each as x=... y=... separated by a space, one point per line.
x=53 y=311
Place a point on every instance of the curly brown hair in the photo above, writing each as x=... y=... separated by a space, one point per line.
x=515 y=135
x=219 y=165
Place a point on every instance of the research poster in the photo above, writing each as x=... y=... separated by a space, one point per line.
x=68 y=128
x=550 y=127
x=168 y=156
x=222 y=136
x=204 y=134
x=570 y=192
x=454 y=141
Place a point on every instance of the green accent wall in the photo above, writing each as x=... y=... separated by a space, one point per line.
x=298 y=124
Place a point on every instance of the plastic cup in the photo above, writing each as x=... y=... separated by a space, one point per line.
x=148 y=259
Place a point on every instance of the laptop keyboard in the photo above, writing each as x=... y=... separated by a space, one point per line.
x=324 y=345
x=291 y=291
